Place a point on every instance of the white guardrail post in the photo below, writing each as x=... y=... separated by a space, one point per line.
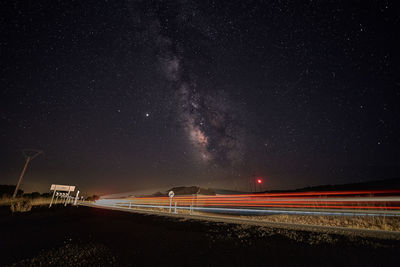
x=171 y=195
x=76 y=198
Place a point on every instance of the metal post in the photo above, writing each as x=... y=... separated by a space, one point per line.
x=191 y=207
x=175 y=208
x=66 y=200
x=76 y=198
x=21 y=176
x=51 y=202
x=130 y=205
x=170 y=203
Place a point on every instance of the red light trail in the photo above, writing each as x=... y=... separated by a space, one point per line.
x=336 y=203
x=353 y=200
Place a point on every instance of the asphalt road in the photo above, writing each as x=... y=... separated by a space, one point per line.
x=381 y=234
x=86 y=236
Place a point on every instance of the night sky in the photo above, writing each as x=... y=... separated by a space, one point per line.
x=140 y=95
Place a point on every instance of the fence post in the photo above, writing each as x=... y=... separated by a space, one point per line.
x=76 y=198
x=193 y=195
x=52 y=197
x=67 y=198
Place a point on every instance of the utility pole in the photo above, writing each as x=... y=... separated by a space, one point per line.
x=29 y=154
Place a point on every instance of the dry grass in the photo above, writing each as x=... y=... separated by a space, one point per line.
x=35 y=202
x=166 y=209
x=41 y=201
x=23 y=204
x=363 y=222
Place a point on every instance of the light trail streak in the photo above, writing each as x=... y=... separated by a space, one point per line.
x=115 y=204
x=361 y=203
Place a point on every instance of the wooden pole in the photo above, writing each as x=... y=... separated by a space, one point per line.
x=21 y=176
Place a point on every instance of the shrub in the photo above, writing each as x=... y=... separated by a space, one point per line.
x=21 y=206
x=32 y=195
x=8 y=190
x=93 y=198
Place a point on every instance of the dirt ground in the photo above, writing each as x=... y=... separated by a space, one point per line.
x=83 y=236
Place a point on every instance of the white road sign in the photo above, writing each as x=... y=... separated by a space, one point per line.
x=59 y=187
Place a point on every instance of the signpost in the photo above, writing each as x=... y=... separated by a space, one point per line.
x=171 y=194
x=76 y=198
x=57 y=187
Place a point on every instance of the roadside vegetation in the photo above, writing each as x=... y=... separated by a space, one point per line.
x=23 y=201
x=363 y=222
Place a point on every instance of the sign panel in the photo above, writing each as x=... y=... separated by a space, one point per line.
x=59 y=187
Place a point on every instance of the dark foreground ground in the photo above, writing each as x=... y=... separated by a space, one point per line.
x=83 y=236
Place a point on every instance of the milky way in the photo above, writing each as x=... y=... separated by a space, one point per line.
x=206 y=115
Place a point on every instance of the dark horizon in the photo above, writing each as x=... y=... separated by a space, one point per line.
x=139 y=95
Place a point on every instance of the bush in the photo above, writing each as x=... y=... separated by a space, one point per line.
x=93 y=198
x=32 y=195
x=8 y=190
x=21 y=206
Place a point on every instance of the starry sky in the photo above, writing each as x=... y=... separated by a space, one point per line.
x=139 y=95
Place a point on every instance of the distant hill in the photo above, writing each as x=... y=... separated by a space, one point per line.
x=387 y=184
x=189 y=190
x=186 y=190
x=228 y=192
